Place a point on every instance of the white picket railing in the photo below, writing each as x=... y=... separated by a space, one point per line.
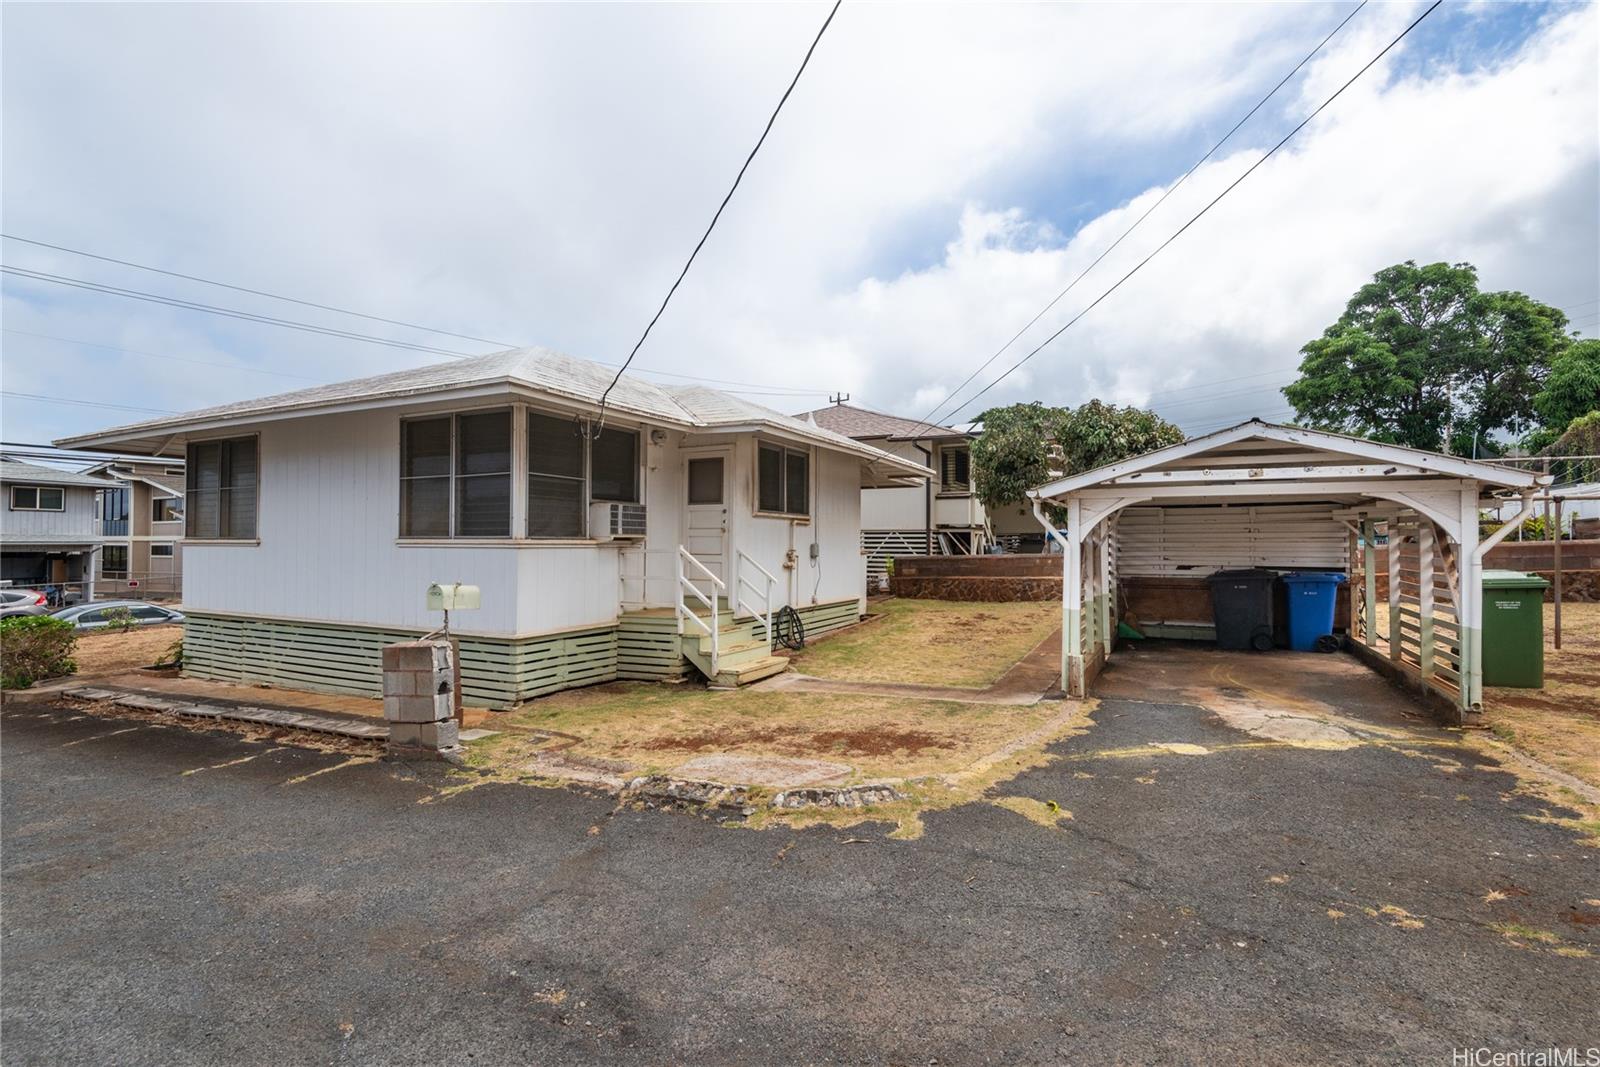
x=712 y=624
x=763 y=591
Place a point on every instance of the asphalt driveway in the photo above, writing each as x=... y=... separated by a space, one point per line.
x=179 y=897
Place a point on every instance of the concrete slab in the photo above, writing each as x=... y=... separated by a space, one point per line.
x=775 y=771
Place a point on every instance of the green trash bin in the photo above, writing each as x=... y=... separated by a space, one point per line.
x=1513 y=629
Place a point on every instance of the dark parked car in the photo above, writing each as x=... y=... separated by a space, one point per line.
x=93 y=616
x=23 y=602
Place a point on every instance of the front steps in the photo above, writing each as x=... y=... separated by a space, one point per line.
x=744 y=654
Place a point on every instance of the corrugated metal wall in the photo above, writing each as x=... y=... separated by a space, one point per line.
x=1194 y=541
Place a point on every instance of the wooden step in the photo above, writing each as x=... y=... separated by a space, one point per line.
x=754 y=671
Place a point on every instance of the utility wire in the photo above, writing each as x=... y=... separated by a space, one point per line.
x=252 y=292
x=928 y=418
x=81 y=403
x=232 y=313
x=601 y=418
x=1198 y=215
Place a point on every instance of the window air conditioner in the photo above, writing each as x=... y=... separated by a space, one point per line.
x=616 y=522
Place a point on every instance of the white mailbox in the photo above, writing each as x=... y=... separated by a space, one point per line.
x=453 y=596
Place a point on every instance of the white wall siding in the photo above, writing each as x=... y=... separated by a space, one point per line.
x=1195 y=541
x=329 y=551
x=76 y=519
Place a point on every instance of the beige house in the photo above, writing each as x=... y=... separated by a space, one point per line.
x=940 y=517
x=139 y=523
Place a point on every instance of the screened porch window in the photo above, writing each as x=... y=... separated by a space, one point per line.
x=455 y=475
x=556 y=498
x=783 y=480
x=221 y=490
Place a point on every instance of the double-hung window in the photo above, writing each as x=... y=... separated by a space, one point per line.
x=221 y=490
x=37 y=498
x=455 y=475
x=783 y=480
x=114 y=561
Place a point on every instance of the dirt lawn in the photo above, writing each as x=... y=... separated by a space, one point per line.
x=1560 y=723
x=933 y=642
x=107 y=651
x=655 y=728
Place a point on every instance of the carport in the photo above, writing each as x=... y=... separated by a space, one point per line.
x=1279 y=497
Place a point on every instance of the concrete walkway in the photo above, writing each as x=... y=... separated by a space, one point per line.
x=1035 y=677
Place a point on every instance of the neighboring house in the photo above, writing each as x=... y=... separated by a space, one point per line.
x=316 y=520
x=940 y=517
x=48 y=536
x=141 y=529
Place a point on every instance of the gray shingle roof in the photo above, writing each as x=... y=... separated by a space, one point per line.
x=12 y=470
x=864 y=423
x=541 y=369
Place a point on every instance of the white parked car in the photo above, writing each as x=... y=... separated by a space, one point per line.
x=93 y=616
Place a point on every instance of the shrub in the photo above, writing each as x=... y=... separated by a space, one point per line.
x=34 y=647
x=119 y=618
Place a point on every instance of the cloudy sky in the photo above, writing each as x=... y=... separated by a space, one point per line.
x=537 y=174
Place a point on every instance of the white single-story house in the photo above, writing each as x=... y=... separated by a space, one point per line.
x=1285 y=498
x=315 y=522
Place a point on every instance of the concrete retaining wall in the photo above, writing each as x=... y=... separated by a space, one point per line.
x=983 y=578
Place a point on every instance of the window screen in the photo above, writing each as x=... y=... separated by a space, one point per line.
x=705 y=480
x=783 y=480
x=556 y=498
x=425 y=478
x=221 y=489
x=614 y=466
x=483 y=474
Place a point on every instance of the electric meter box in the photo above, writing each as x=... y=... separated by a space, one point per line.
x=453 y=596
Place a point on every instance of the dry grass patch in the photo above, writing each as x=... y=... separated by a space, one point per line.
x=934 y=642
x=1559 y=724
x=108 y=651
x=654 y=728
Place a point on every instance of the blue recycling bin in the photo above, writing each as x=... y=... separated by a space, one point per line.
x=1311 y=598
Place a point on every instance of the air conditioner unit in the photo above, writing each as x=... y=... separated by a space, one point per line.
x=616 y=522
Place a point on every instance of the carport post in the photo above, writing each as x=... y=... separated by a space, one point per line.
x=1369 y=555
x=1072 y=601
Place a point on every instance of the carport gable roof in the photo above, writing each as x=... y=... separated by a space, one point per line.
x=1313 y=459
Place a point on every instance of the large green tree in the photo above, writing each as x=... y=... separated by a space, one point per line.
x=1025 y=445
x=1571 y=391
x=1422 y=357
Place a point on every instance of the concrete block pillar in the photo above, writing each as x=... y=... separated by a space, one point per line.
x=419 y=698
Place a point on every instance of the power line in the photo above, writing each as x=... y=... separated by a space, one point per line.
x=926 y=420
x=232 y=313
x=160 y=355
x=600 y=422
x=252 y=292
x=41 y=398
x=1198 y=215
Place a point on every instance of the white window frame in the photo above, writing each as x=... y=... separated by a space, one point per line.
x=785 y=450
x=38 y=498
x=954 y=488
x=512 y=413
x=253 y=539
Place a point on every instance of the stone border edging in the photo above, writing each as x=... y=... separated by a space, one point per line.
x=261 y=716
x=745 y=800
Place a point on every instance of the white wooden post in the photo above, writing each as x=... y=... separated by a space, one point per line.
x=1425 y=566
x=1072 y=602
x=1394 y=589
x=1370 y=574
x=1107 y=588
x=1469 y=602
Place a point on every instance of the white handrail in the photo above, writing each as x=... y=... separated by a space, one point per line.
x=681 y=606
x=764 y=591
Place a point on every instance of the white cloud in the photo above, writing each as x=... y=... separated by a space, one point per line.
x=537 y=174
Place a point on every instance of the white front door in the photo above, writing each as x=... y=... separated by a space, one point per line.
x=706 y=514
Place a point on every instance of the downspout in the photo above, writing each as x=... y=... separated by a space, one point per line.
x=1472 y=584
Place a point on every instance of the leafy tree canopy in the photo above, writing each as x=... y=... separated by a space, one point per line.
x=1422 y=357
x=1025 y=445
x=1571 y=391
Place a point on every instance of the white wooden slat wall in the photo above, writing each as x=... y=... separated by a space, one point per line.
x=1194 y=541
